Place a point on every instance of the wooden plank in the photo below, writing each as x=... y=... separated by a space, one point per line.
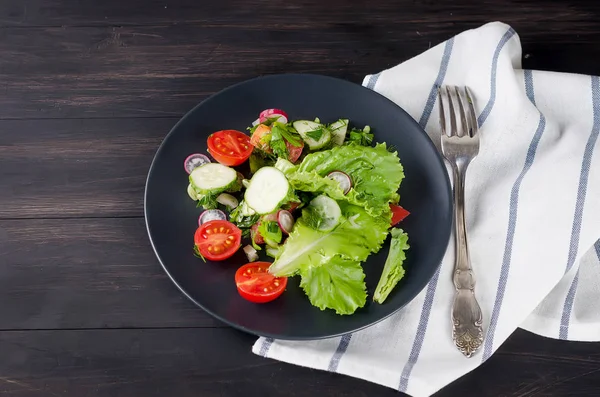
x=22 y=13
x=87 y=273
x=150 y=71
x=218 y=362
x=67 y=168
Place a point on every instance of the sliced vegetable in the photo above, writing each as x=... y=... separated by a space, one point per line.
x=251 y=253
x=323 y=213
x=294 y=152
x=261 y=137
x=343 y=179
x=227 y=200
x=255 y=284
x=217 y=240
x=273 y=252
x=194 y=161
x=255 y=122
x=316 y=135
x=268 y=188
x=212 y=179
x=285 y=219
x=273 y=114
x=257 y=238
x=398 y=214
x=191 y=192
x=338 y=131
x=392 y=270
x=229 y=147
x=211 y=215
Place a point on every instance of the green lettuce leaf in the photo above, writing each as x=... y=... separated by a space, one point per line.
x=392 y=270
x=355 y=238
x=376 y=174
x=338 y=285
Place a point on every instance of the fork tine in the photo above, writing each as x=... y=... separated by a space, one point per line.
x=473 y=125
x=452 y=115
x=464 y=128
x=442 y=113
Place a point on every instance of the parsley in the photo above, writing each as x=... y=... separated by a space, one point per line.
x=360 y=137
x=271 y=232
x=316 y=134
x=197 y=253
x=208 y=201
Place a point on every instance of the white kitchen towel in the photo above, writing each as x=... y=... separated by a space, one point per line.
x=532 y=208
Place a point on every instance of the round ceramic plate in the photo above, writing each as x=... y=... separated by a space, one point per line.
x=171 y=216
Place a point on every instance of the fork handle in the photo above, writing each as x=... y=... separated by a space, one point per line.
x=467 y=332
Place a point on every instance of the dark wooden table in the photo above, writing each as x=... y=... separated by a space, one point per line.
x=88 y=91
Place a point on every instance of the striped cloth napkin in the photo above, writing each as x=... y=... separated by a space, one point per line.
x=533 y=217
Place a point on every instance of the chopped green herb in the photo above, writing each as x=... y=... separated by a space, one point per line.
x=316 y=134
x=197 y=253
x=271 y=232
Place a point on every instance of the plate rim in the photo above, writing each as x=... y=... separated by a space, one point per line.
x=440 y=162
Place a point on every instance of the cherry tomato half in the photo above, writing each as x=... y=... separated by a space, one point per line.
x=229 y=147
x=256 y=284
x=217 y=240
x=398 y=214
x=294 y=152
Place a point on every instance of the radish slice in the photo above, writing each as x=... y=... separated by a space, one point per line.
x=272 y=113
x=255 y=122
x=211 y=215
x=251 y=253
x=227 y=200
x=343 y=179
x=194 y=161
x=285 y=219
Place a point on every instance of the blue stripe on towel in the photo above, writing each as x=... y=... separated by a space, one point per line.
x=339 y=352
x=438 y=82
x=488 y=108
x=597 y=246
x=512 y=221
x=579 y=205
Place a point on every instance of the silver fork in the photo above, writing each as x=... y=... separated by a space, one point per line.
x=459 y=147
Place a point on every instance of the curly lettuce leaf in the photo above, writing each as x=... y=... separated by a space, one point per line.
x=355 y=238
x=392 y=270
x=338 y=285
x=376 y=174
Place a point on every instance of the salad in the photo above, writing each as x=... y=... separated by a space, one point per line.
x=318 y=199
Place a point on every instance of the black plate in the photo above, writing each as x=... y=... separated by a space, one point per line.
x=171 y=217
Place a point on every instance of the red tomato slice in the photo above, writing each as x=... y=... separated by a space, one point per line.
x=217 y=240
x=398 y=214
x=255 y=234
x=256 y=284
x=294 y=152
x=229 y=147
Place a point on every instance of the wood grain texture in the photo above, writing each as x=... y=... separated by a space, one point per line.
x=88 y=91
x=87 y=273
x=217 y=362
x=67 y=168
x=74 y=65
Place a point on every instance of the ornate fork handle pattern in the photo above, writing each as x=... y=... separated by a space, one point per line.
x=467 y=331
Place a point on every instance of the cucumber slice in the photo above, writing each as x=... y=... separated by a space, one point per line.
x=268 y=188
x=338 y=131
x=323 y=213
x=316 y=135
x=212 y=178
x=192 y=193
